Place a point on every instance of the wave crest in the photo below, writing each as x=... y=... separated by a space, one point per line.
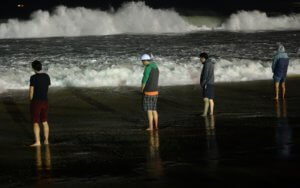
x=256 y=20
x=131 y=18
x=137 y=18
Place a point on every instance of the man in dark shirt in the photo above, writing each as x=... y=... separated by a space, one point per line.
x=38 y=94
x=207 y=80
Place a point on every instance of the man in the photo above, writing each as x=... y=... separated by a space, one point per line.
x=38 y=94
x=279 y=69
x=207 y=83
x=150 y=90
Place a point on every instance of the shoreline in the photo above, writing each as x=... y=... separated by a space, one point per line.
x=289 y=77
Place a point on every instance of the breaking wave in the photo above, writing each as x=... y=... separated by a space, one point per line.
x=171 y=73
x=137 y=18
x=131 y=18
x=259 y=21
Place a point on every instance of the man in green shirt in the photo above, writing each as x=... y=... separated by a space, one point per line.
x=150 y=90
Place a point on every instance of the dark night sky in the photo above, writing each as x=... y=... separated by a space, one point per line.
x=9 y=8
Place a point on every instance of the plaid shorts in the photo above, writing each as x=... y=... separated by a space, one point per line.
x=150 y=102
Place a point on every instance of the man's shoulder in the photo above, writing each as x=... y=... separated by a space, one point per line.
x=33 y=76
x=211 y=60
x=44 y=75
x=281 y=56
x=153 y=64
x=40 y=76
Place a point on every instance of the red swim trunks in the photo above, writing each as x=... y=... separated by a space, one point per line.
x=39 y=111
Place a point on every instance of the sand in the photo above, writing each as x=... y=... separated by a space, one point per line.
x=98 y=138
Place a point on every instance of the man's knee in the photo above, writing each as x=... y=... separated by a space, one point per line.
x=45 y=123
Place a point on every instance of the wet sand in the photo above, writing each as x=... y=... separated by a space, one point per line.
x=98 y=139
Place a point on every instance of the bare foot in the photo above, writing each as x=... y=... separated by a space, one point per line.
x=149 y=129
x=46 y=142
x=203 y=115
x=37 y=144
x=276 y=98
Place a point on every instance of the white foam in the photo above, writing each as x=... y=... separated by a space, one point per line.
x=139 y=19
x=256 y=20
x=247 y=21
x=131 y=18
x=3 y=87
x=130 y=74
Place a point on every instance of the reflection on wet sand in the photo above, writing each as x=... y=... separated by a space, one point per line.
x=154 y=163
x=43 y=167
x=19 y=118
x=212 y=146
x=283 y=131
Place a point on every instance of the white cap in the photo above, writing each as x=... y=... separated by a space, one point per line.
x=145 y=57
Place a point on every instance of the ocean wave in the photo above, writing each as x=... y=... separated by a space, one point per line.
x=130 y=18
x=137 y=18
x=260 y=21
x=246 y=21
x=130 y=74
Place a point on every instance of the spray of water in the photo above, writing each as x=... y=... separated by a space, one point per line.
x=136 y=18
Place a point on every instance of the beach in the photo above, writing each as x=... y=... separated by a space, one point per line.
x=98 y=138
x=98 y=134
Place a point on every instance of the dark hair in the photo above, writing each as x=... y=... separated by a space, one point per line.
x=36 y=65
x=204 y=55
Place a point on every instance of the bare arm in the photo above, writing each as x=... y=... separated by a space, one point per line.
x=143 y=87
x=31 y=90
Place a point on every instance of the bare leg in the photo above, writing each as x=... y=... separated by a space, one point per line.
x=283 y=90
x=150 y=120
x=36 y=130
x=212 y=105
x=155 y=117
x=46 y=132
x=206 y=106
x=276 y=90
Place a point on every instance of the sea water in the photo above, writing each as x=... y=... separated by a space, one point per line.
x=80 y=47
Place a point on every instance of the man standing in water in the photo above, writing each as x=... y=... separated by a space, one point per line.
x=150 y=90
x=207 y=83
x=38 y=94
x=279 y=68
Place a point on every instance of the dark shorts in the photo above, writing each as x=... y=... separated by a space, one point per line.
x=39 y=111
x=279 y=79
x=208 y=91
x=149 y=102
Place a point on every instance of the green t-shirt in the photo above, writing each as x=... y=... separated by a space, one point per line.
x=147 y=71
